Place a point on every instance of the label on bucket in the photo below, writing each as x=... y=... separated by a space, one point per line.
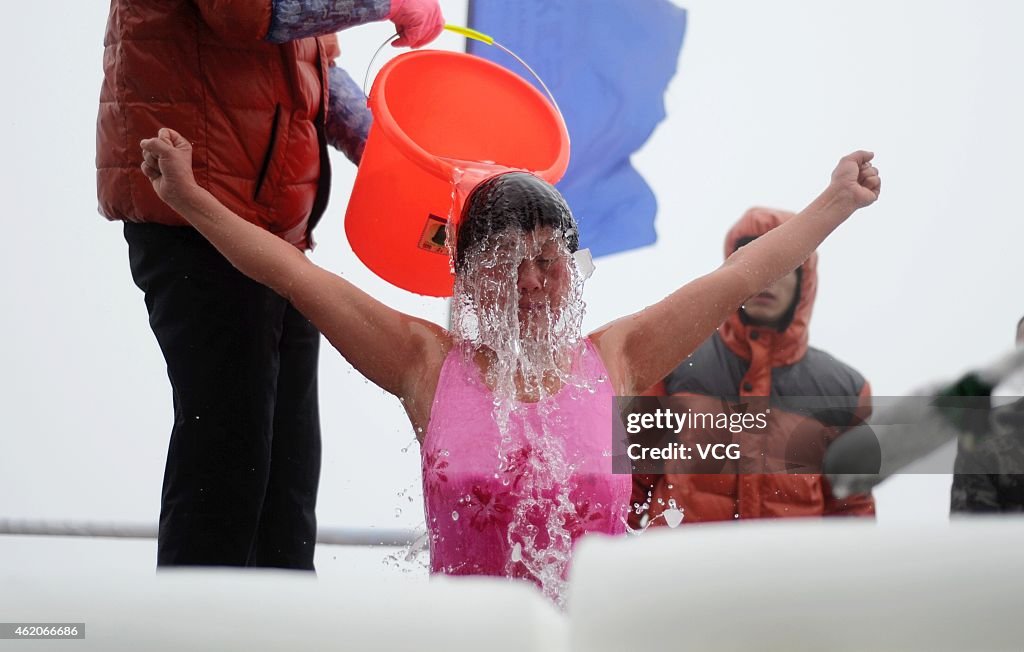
x=432 y=238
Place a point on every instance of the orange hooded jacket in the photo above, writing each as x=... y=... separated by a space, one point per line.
x=742 y=359
x=252 y=110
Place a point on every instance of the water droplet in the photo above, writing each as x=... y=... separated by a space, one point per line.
x=455 y=516
x=673 y=517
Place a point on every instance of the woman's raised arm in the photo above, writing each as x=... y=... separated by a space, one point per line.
x=642 y=348
x=394 y=350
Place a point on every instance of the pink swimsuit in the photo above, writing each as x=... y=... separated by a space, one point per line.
x=471 y=498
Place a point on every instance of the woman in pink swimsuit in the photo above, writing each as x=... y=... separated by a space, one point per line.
x=513 y=409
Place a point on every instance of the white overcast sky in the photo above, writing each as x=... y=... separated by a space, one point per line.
x=767 y=97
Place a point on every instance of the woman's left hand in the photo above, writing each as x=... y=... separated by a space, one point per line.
x=857 y=179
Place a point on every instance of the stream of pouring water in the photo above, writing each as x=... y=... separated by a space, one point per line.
x=526 y=358
x=530 y=358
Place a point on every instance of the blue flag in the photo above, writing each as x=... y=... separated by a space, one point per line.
x=608 y=63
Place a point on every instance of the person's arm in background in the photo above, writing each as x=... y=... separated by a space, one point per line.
x=348 y=117
x=854 y=504
x=418 y=21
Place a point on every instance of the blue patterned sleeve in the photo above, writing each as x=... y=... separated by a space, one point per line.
x=295 y=19
x=348 y=117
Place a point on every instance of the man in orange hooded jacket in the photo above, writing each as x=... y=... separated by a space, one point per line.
x=761 y=351
x=253 y=82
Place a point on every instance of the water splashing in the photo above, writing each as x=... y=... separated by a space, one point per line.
x=536 y=482
x=518 y=309
x=673 y=515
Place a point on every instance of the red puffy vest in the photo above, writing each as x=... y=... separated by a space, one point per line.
x=251 y=109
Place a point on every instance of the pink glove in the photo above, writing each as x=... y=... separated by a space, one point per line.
x=418 y=21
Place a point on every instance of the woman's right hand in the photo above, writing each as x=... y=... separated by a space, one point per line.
x=167 y=163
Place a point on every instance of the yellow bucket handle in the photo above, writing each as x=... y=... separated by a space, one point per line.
x=470 y=33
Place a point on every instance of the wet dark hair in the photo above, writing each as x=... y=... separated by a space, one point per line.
x=787 y=317
x=514 y=200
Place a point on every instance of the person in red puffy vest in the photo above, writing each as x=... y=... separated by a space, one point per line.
x=760 y=355
x=253 y=82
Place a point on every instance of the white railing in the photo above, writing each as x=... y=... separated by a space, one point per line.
x=338 y=536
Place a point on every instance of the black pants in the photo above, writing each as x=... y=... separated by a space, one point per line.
x=244 y=458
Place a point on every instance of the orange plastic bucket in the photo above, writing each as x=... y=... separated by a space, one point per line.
x=430 y=109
